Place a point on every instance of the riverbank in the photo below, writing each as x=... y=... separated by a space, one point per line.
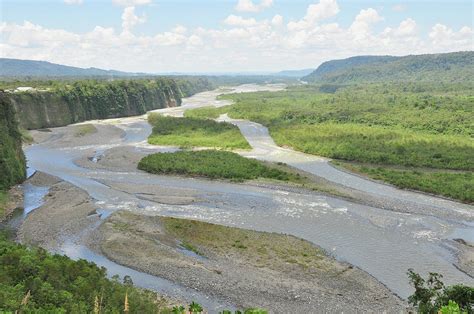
x=287 y=274
x=278 y=272
x=9 y=201
x=66 y=212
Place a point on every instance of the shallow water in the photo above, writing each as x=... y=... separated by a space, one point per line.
x=383 y=243
x=160 y=285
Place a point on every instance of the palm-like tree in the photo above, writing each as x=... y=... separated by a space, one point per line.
x=195 y=308
x=178 y=309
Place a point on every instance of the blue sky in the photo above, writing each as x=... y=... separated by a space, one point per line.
x=227 y=35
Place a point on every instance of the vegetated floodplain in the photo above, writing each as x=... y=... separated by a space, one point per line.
x=212 y=164
x=403 y=124
x=456 y=185
x=271 y=249
x=192 y=132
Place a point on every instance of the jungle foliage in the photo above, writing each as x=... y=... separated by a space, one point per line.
x=192 y=132
x=35 y=281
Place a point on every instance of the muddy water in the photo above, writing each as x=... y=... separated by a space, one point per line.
x=381 y=242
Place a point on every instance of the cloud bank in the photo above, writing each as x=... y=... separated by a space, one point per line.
x=239 y=44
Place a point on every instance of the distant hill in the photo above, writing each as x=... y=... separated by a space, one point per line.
x=446 y=67
x=22 y=68
x=294 y=73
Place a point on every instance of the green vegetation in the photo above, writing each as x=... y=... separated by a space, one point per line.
x=191 y=132
x=427 y=125
x=32 y=280
x=206 y=112
x=3 y=202
x=212 y=164
x=431 y=296
x=456 y=185
x=26 y=137
x=446 y=67
x=85 y=129
x=255 y=248
x=399 y=124
x=12 y=160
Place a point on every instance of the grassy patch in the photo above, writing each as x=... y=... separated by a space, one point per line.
x=258 y=248
x=211 y=164
x=378 y=145
x=456 y=185
x=206 y=112
x=3 y=202
x=85 y=129
x=26 y=136
x=192 y=132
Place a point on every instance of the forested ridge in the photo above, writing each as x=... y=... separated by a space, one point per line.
x=444 y=67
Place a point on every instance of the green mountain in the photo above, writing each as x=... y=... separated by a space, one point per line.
x=445 y=67
x=294 y=73
x=22 y=68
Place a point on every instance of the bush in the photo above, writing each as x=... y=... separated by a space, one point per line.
x=431 y=295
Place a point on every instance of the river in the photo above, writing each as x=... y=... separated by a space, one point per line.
x=382 y=242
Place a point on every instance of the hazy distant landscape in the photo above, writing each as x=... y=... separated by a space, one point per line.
x=255 y=157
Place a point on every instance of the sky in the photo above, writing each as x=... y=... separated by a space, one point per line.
x=159 y=36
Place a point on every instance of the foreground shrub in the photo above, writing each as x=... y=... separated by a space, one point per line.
x=431 y=295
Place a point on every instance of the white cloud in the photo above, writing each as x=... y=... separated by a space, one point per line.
x=234 y=20
x=315 y=13
x=406 y=28
x=73 y=1
x=129 y=19
x=238 y=44
x=180 y=29
x=129 y=3
x=360 y=28
x=443 y=36
x=249 y=6
x=277 y=20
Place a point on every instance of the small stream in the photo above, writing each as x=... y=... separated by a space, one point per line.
x=383 y=243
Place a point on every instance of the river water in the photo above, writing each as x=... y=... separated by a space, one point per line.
x=381 y=242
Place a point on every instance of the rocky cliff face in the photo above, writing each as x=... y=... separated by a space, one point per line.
x=87 y=100
x=12 y=160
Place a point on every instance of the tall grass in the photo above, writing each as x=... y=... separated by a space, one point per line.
x=193 y=132
x=211 y=164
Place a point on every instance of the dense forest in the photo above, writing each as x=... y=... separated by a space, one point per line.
x=58 y=103
x=447 y=67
